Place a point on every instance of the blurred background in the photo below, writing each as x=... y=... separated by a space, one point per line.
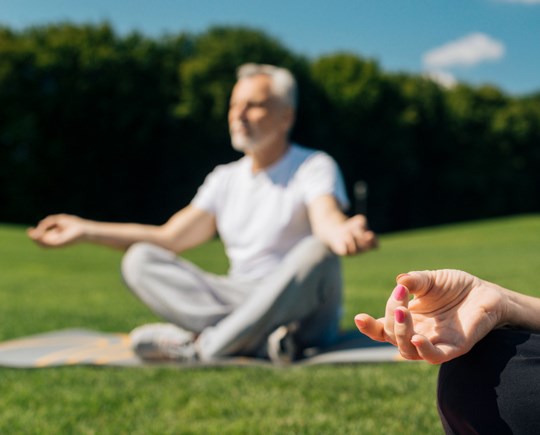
x=116 y=109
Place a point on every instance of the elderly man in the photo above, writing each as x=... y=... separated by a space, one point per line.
x=278 y=211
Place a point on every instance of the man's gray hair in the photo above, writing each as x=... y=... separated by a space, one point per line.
x=283 y=82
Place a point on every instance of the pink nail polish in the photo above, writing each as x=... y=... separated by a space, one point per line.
x=399 y=316
x=400 y=292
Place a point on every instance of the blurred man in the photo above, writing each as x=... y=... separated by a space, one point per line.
x=278 y=211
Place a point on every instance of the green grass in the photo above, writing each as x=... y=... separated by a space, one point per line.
x=80 y=286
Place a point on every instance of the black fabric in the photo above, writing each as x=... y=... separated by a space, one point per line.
x=495 y=388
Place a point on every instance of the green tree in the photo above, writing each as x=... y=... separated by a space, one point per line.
x=126 y=128
x=83 y=104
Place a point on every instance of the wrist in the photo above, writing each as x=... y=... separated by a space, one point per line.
x=88 y=230
x=521 y=311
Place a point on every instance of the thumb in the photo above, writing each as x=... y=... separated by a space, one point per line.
x=417 y=282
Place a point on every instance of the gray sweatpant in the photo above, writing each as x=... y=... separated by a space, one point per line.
x=235 y=316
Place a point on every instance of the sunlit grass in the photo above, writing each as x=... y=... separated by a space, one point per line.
x=80 y=286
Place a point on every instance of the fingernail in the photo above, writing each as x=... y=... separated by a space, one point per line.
x=400 y=292
x=399 y=316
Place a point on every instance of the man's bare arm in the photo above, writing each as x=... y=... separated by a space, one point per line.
x=187 y=228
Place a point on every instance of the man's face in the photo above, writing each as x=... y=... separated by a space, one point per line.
x=256 y=117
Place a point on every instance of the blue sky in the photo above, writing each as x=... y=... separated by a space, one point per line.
x=475 y=41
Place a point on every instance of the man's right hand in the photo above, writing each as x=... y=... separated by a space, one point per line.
x=58 y=230
x=185 y=229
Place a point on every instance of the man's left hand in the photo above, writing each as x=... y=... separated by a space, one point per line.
x=353 y=236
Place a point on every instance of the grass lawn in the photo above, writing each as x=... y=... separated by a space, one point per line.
x=42 y=290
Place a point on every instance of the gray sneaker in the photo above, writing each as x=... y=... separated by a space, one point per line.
x=163 y=342
x=281 y=347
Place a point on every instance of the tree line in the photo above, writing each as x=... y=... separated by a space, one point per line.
x=125 y=128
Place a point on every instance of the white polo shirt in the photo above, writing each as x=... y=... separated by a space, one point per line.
x=261 y=216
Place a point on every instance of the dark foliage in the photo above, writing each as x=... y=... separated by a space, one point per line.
x=126 y=128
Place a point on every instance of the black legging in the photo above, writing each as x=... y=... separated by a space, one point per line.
x=495 y=388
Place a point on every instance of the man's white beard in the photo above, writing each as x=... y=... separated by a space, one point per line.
x=242 y=143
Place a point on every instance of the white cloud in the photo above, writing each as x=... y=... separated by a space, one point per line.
x=443 y=78
x=467 y=51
